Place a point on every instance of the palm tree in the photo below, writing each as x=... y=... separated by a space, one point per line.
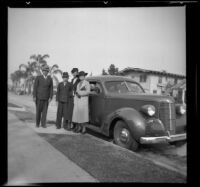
x=16 y=77
x=56 y=75
x=39 y=59
x=13 y=77
x=34 y=69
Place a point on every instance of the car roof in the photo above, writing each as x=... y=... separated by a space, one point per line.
x=109 y=78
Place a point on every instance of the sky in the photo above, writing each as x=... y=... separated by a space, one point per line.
x=91 y=39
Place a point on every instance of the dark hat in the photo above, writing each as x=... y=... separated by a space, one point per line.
x=74 y=70
x=82 y=73
x=65 y=75
x=45 y=68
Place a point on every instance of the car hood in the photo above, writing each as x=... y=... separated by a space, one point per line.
x=142 y=96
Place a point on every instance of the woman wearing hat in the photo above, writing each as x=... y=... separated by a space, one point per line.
x=81 y=106
x=74 y=83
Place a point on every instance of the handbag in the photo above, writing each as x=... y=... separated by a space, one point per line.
x=83 y=88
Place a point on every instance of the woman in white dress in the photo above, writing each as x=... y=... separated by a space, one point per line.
x=81 y=105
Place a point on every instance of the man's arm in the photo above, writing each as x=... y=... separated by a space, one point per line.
x=35 y=87
x=51 y=89
x=58 y=92
x=85 y=91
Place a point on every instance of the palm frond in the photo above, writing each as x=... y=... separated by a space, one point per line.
x=33 y=57
x=45 y=56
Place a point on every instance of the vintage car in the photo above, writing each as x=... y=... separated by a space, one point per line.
x=120 y=108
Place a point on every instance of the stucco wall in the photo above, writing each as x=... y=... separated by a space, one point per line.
x=152 y=81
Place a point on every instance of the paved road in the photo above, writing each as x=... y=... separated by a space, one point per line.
x=96 y=162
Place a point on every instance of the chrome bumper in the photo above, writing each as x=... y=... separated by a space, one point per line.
x=162 y=139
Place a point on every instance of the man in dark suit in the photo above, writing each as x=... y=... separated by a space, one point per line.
x=42 y=95
x=74 y=83
x=62 y=98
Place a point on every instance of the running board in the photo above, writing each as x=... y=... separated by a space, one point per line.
x=92 y=127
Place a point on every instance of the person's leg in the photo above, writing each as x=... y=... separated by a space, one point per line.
x=44 y=112
x=74 y=115
x=70 y=113
x=79 y=128
x=66 y=117
x=59 y=115
x=75 y=126
x=83 y=130
x=38 y=112
x=65 y=120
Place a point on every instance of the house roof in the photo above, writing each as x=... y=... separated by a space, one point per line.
x=163 y=73
x=181 y=84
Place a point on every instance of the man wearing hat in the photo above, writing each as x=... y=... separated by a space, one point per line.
x=62 y=97
x=74 y=83
x=42 y=95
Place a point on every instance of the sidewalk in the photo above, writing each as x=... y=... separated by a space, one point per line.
x=30 y=105
x=33 y=160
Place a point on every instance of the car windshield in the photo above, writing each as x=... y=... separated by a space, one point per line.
x=123 y=87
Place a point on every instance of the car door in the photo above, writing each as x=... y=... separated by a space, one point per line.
x=96 y=105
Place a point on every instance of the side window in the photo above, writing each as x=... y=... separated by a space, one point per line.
x=99 y=88
x=95 y=88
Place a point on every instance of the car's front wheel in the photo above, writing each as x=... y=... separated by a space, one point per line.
x=123 y=137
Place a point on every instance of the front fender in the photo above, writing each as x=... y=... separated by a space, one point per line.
x=132 y=118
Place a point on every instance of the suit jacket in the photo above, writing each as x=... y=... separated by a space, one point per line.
x=74 y=85
x=63 y=92
x=43 y=88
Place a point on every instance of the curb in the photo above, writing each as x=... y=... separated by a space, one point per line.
x=140 y=156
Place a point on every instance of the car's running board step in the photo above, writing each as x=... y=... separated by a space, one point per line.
x=92 y=127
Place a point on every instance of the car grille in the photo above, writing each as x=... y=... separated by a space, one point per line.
x=167 y=116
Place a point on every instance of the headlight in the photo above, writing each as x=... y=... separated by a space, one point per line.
x=181 y=109
x=149 y=110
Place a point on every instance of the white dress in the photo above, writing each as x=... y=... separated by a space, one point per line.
x=81 y=105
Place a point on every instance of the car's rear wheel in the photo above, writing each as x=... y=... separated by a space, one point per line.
x=123 y=137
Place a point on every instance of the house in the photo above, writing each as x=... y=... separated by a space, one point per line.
x=152 y=81
x=178 y=91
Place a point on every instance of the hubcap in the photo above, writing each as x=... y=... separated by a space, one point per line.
x=124 y=135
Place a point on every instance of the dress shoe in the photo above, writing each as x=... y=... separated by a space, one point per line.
x=83 y=131
x=79 y=129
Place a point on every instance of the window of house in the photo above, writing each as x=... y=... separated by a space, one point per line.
x=155 y=91
x=160 y=80
x=143 y=78
x=175 y=81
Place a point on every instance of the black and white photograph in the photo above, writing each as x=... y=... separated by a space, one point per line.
x=97 y=95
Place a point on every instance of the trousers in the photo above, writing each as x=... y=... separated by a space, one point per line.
x=61 y=113
x=41 y=112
